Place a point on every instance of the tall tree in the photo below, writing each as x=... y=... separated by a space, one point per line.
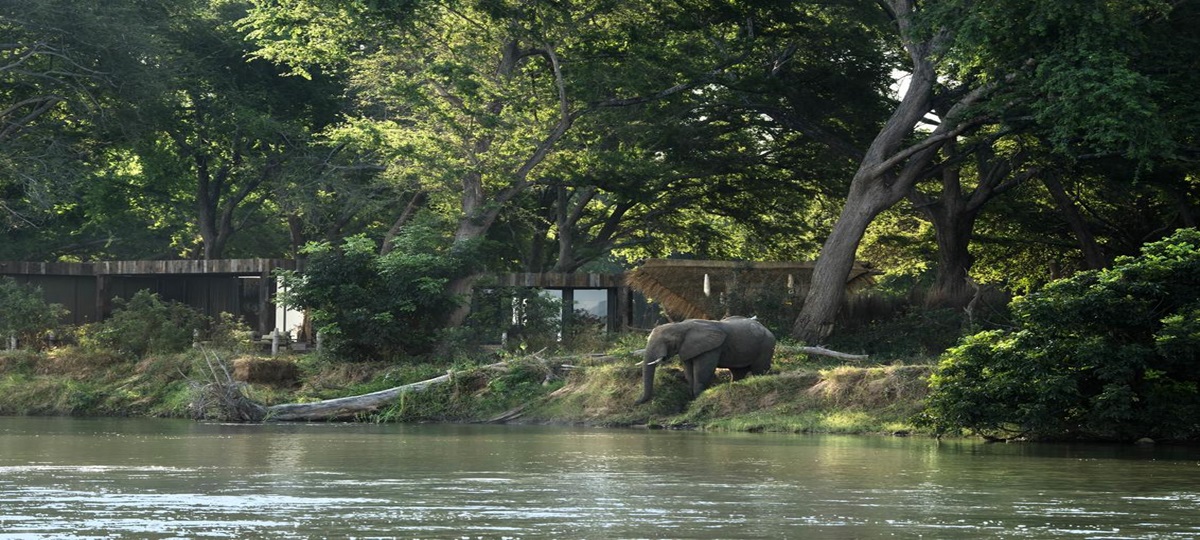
x=1063 y=66
x=478 y=95
x=57 y=62
x=231 y=126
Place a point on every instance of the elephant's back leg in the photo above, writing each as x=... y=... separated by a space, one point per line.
x=739 y=373
x=763 y=365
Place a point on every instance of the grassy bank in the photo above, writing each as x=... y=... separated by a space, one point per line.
x=802 y=395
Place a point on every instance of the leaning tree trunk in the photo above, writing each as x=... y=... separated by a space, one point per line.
x=828 y=286
x=885 y=174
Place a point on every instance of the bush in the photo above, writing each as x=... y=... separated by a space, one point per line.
x=145 y=324
x=371 y=306
x=24 y=314
x=1108 y=354
x=910 y=332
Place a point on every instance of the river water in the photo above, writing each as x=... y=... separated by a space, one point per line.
x=126 y=478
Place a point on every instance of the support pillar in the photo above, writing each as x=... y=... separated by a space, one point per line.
x=568 y=310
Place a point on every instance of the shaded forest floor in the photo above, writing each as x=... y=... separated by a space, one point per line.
x=803 y=394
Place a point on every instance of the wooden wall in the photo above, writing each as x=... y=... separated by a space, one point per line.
x=242 y=287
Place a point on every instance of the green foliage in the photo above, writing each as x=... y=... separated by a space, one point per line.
x=911 y=331
x=371 y=306
x=1072 y=66
x=145 y=324
x=1105 y=354
x=473 y=394
x=24 y=314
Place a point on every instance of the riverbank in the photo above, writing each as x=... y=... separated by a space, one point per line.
x=803 y=394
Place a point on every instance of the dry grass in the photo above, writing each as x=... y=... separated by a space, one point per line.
x=872 y=388
x=269 y=371
x=78 y=363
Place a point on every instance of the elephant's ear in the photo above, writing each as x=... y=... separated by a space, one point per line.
x=700 y=338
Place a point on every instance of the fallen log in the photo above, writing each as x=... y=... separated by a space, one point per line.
x=822 y=351
x=350 y=406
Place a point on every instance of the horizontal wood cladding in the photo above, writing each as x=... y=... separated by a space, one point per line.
x=134 y=268
x=553 y=280
x=251 y=267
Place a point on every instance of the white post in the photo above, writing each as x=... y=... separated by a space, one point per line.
x=12 y=343
x=275 y=342
x=196 y=338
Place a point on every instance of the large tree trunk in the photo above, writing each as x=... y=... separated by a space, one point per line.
x=833 y=266
x=953 y=218
x=952 y=228
x=954 y=212
x=876 y=185
x=887 y=172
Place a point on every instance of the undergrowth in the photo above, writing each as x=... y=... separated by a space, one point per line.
x=803 y=394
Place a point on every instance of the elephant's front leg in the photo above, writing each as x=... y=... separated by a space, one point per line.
x=689 y=367
x=703 y=369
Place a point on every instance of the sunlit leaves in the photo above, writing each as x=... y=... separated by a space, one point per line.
x=1105 y=354
x=1071 y=66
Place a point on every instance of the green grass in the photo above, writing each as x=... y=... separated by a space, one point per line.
x=802 y=395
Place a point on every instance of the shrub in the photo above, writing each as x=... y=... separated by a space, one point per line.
x=24 y=314
x=371 y=306
x=1108 y=354
x=145 y=324
x=911 y=331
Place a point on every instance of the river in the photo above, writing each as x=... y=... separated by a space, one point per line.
x=138 y=478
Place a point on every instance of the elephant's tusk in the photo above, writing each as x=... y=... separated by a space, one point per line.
x=655 y=362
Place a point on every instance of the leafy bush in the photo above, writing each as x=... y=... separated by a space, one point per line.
x=145 y=324
x=1108 y=354
x=371 y=306
x=912 y=332
x=24 y=314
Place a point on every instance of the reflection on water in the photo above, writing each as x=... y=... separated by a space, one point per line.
x=89 y=478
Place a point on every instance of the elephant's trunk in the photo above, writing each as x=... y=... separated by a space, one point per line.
x=648 y=380
x=654 y=354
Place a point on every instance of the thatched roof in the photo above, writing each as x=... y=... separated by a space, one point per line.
x=679 y=285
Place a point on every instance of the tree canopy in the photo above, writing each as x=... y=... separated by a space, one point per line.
x=1008 y=143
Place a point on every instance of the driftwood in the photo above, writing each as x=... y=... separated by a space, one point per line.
x=349 y=406
x=218 y=396
x=822 y=351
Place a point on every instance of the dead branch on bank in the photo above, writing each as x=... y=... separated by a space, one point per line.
x=221 y=397
x=820 y=351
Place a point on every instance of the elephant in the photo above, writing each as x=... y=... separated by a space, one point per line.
x=742 y=345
